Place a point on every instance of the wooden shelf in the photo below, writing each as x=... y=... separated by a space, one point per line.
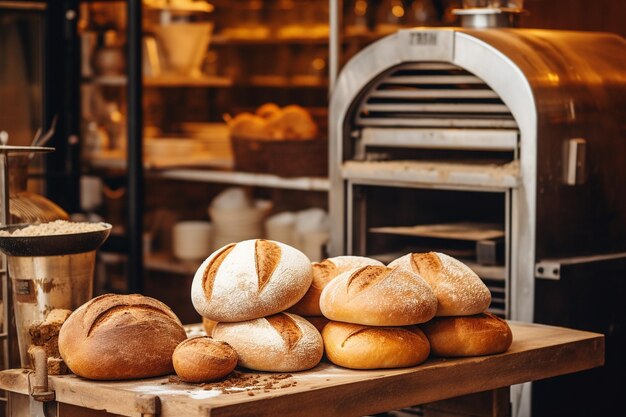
x=165 y=262
x=245 y=178
x=162 y=81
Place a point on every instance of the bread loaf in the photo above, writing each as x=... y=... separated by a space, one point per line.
x=202 y=359
x=482 y=334
x=280 y=343
x=120 y=337
x=249 y=280
x=459 y=291
x=365 y=347
x=378 y=296
x=323 y=273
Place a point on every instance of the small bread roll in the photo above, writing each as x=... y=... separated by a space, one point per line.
x=120 y=337
x=323 y=273
x=280 y=343
x=482 y=334
x=267 y=110
x=249 y=126
x=202 y=359
x=319 y=322
x=363 y=347
x=293 y=122
x=250 y=279
x=459 y=291
x=208 y=325
x=378 y=296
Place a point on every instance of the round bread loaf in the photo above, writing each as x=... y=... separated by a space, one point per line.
x=202 y=359
x=323 y=273
x=378 y=296
x=280 y=343
x=318 y=322
x=120 y=337
x=250 y=279
x=459 y=291
x=365 y=347
x=482 y=334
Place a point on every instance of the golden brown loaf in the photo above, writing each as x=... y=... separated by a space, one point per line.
x=482 y=334
x=280 y=343
x=378 y=296
x=292 y=122
x=202 y=359
x=323 y=273
x=120 y=337
x=365 y=347
x=459 y=291
x=250 y=126
x=249 y=280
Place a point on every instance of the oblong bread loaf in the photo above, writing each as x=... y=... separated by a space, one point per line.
x=459 y=291
x=280 y=343
x=378 y=296
x=482 y=334
x=202 y=359
x=324 y=272
x=120 y=337
x=250 y=279
x=366 y=347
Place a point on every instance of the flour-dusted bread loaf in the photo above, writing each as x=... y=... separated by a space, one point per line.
x=323 y=273
x=280 y=343
x=459 y=291
x=202 y=359
x=366 y=347
x=249 y=280
x=378 y=296
x=120 y=337
x=482 y=334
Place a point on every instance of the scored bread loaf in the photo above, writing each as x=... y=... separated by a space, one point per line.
x=366 y=347
x=120 y=337
x=324 y=272
x=481 y=334
x=280 y=343
x=459 y=291
x=202 y=359
x=378 y=296
x=250 y=279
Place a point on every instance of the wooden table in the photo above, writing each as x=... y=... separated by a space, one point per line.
x=537 y=352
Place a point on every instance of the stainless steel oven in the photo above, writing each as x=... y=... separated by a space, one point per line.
x=505 y=147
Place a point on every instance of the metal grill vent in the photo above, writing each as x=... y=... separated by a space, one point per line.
x=433 y=95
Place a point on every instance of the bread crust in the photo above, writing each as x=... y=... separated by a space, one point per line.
x=116 y=337
x=459 y=291
x=202 y=359
x=481 y=334
x=250 y=279
x=280 y=343
x=378 y=296
x=365 y=347
x=324 y=272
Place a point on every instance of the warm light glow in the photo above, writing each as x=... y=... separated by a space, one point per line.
x=319 y=64
x=397 y=11
x=553 y=78
x=360 y=7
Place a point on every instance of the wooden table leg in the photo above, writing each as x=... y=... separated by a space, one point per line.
x=494 y=403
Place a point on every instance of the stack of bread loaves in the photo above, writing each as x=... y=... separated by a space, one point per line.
x=462 y=327
x=374 y=311
x=245 y=287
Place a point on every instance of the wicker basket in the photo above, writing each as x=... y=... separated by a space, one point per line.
x=285 y=158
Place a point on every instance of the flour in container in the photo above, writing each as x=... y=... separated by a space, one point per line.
x=57 y=227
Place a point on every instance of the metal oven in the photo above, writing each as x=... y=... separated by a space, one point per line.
x=504 y=147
